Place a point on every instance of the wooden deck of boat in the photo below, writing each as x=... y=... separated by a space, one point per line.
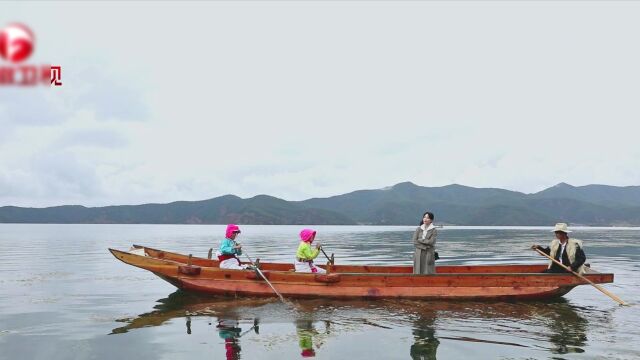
x=441 y=269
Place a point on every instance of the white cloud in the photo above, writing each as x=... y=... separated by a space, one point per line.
x=309 y=99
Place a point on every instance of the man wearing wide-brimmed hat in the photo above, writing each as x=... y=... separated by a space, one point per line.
x=567 y=251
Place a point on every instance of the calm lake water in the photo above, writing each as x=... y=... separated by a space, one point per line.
x=64 y=296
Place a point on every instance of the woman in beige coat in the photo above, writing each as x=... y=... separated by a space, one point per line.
x=424 y=239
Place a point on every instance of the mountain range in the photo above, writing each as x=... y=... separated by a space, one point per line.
x=401 y=204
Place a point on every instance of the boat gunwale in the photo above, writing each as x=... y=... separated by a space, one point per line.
x=336 y=268
x=171 y=263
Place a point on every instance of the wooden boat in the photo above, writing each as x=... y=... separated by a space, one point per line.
x=356 y=281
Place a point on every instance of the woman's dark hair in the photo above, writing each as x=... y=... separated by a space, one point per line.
x=430 y=214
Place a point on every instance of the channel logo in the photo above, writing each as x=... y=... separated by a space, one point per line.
x=17 y=43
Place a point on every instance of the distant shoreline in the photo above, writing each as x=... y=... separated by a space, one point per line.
x=403 y=203
x=446 y=227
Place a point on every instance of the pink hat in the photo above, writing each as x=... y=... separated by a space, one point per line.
x=307 y=234
x=231 y=228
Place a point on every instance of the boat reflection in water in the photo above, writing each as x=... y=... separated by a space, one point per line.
x=180 y=304
x=553 y=327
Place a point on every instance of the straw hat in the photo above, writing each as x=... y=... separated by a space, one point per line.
x=561 y=227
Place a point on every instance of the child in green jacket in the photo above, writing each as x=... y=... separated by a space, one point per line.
x=305 y=254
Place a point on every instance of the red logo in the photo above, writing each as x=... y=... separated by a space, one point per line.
x=56 y=75
x=16 y=43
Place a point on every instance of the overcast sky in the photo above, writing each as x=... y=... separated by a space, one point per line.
x=168 y=101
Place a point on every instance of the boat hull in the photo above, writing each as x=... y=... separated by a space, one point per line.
x=360 y=282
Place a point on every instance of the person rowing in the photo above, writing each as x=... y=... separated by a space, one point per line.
x=230 y=250
x=305 y=255
x=565 y=250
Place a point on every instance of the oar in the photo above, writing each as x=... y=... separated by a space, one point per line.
x=603 y=290
x=265 y=278
x=325 y=255
x=255 y=326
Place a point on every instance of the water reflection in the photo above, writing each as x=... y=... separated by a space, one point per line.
x=305 y=331
x=567 y=329
x=229 y=330
x=180 y=304
x=557 y=327
x=425 y=345
x=555 y=323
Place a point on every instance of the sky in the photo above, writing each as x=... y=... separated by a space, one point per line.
x=165 y=101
